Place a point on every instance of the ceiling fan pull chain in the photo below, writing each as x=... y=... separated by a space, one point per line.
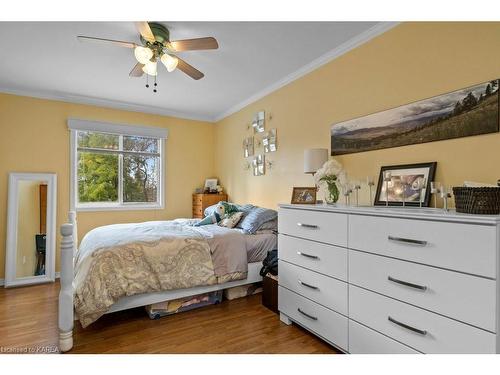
x=147 y=81
x=154 y=90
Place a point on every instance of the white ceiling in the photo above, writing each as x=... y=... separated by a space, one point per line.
x=44 y=59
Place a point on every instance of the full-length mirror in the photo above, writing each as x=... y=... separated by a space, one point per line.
x=31 y=229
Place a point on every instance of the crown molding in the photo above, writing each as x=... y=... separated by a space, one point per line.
x=115 y=104
x=345 y=47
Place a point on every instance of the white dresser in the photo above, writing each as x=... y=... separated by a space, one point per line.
x=391 y=280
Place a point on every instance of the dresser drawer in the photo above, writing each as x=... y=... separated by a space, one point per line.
x=363 y=340
x=326 y=259
x=322 y=289
x=319 y=226
x=437 y=333
x=462 y=247
x=197 y=199
x=197 y=211
x=320 y=320
x=470 y=299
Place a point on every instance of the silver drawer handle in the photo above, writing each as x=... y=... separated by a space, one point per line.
x=406 y=283
x=306 y=314
x=407 y=240
x=406 y=326
x=307 y=255
x=308 y=285
x=310 y=226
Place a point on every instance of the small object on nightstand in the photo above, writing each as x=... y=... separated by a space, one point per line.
x=202 y=201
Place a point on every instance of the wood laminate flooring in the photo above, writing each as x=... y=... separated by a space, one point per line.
x=28 y=319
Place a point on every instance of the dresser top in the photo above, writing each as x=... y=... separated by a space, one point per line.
x=434 y=214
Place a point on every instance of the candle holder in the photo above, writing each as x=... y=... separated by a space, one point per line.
x=423 y=190
x=356 y=186
x=435 y=190
x=347 y=195
x=445 y=195
x=370 y=182
x=403 y=193
x=387 y=179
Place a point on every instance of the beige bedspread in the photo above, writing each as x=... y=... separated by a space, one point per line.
x=127 y=259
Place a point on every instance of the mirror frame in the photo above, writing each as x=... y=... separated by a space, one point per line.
x=12 y=220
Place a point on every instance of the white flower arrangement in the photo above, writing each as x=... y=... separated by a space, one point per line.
x=331 y=170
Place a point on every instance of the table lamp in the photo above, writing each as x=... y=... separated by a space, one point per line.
x=314 y=158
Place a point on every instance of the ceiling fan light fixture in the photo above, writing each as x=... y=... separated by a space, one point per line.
x=150 y=68
x=169 y=61
x=143 y=54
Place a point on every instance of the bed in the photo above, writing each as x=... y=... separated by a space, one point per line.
x=122 y=266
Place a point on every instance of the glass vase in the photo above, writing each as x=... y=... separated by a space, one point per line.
x=332 y=193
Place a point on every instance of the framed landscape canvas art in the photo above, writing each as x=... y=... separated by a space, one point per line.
x=462 y=113
x=408 y=182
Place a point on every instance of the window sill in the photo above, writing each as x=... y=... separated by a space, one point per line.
x=120 y=208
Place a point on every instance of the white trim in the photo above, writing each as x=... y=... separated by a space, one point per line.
x=113 y=128
x=12 y=220
x=75 y=125
x=144 y=299
x=352 y=43
x=106 y=103
x=2 y=281
x=345 y=47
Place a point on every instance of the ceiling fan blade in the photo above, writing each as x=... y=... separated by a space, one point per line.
x=193 y=44
x=189 y=70
x=137 y=70
x=145 y=31
x=118 y=43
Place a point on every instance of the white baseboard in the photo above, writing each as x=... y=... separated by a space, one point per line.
x=2 y=281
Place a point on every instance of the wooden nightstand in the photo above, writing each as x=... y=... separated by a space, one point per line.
x=202 y=201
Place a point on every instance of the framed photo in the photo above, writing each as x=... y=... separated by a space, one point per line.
x=211 y=184
x=411 y=181
x=304 y=195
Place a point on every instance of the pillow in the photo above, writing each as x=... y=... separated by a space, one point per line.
x=230 y=221
x=271 y=225
x=243 y=208
x=254 y=219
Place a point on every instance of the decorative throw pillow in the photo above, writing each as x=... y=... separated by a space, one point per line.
x=244 y=208
x=230 y=221
x=214 y=218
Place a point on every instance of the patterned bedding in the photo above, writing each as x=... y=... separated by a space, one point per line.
x=120 y=260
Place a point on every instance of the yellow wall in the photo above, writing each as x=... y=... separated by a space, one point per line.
x=28 y=224
x=34 y=138
x=410 y=62
x=413 y=61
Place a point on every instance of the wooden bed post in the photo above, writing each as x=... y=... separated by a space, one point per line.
x=66 y=314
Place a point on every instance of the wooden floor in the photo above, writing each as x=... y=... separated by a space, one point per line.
x=28 y=318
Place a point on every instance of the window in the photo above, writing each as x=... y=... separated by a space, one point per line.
x=116 y=166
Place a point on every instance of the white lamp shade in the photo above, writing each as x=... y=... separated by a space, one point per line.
x=150 y=68
x=314 y=158
x=170 y=62
x=143 y=54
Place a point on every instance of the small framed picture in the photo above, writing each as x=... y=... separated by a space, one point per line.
x=304 y=195
x=211 y=185
x=410 y=182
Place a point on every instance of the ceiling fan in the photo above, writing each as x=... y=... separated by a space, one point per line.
x=156 y=46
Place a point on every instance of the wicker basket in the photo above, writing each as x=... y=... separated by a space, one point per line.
x=477 y=200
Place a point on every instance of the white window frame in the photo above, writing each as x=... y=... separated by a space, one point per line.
x=76 y=125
